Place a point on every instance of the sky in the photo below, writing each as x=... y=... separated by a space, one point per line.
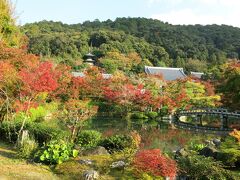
x=171 y=11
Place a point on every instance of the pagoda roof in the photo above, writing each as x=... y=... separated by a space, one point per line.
x=89 y=55
x=167 y=73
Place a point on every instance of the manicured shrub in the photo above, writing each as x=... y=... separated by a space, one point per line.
x=89 y=138
x=117 y=143
x=201 y=167
x=56 y=152
x=153 y=162
x=138 y=115
x=152 y=115
x=42 y=133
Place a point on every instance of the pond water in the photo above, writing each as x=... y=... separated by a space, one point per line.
x=154 y=134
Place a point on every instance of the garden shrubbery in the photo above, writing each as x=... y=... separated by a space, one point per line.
x=117 y=143
x=200 y=167
x=88 y=139
x=152 y=161
x=230 y=152
x=27 y=148
x=138 y=115
x=152 y=115
x=41 y=132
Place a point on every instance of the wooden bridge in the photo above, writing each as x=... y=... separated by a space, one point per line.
x=197 y=114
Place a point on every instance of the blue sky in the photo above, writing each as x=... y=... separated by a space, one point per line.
x=172 y=11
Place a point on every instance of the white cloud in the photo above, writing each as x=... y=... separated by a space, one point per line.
x=200 y=12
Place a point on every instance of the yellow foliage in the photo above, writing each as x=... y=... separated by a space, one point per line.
x=235 y=133
x=136 y=138
x=9 y=32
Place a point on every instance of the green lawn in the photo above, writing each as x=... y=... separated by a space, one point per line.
x=13 y=168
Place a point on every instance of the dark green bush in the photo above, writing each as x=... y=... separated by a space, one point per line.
x=200 y=167
x=117 y=143
x=89 y=138
x=152 y=115
x=139 y=115
x=230 y=152
x=41 y=132
x=55 y=152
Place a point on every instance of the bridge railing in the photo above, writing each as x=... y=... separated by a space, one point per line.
x=196 y=111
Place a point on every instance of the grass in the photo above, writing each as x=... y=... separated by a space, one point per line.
x=13 y=168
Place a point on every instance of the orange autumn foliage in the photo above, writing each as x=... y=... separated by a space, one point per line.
x=235 y=133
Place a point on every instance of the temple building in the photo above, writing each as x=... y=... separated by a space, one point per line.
x=197 y=74
x=169 y=74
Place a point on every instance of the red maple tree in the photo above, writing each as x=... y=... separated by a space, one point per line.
x=38 y=79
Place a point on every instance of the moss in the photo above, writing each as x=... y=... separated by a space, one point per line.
x=101 y=163
x=71 y=169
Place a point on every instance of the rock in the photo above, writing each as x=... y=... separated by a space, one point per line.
x=96 y=151
x=118 y=164
x=209 y=152
x=85 y=161
x=216 y=142
x=90 y=175
x=209 y=143
x=181 y=152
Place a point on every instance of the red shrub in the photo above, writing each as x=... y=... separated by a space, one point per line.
x=152 y=161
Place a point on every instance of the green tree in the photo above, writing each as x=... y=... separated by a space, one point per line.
x=9 y=32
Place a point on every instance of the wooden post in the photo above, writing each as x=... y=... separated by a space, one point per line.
x=225 y=121
x=200 y=120
x=196 y=120
x=222 y=121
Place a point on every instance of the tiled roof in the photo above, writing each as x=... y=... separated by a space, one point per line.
x=80 y=74
x=168 y=73
x=197 y=74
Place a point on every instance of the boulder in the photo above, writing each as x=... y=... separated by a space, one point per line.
x=118 y=164
x=86 y=161
x=99 y=150
x=181 y=152
x=209 y=152
x=90 y=175
x=216 y=142
x=209 y=143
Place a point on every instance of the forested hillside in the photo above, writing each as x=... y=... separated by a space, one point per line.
x=191 y=47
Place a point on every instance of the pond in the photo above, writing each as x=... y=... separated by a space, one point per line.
x=154 y=134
